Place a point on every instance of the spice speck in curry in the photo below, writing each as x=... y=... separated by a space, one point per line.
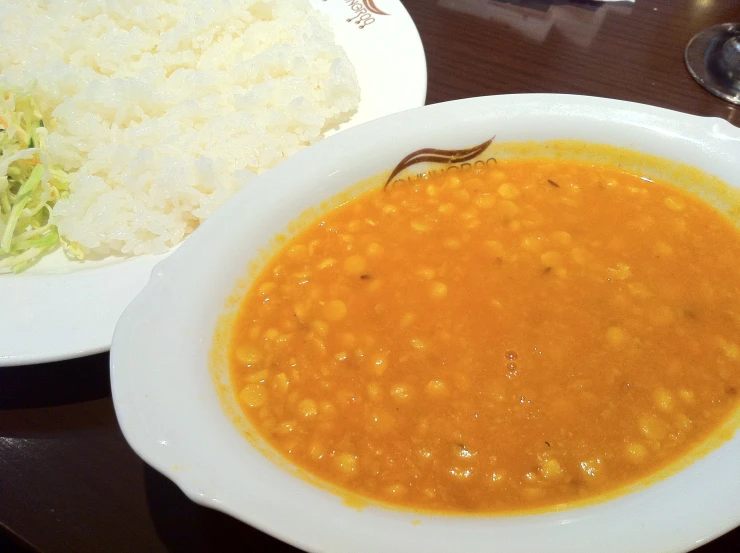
x=480 y=341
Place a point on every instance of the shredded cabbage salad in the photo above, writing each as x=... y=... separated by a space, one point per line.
x=29 y=185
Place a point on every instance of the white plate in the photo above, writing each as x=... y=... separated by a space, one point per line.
x=60 y=309
x=170 y=413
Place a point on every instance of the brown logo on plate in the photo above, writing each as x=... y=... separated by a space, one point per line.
x=433 y=155
x=365 y=12
x=370 y=5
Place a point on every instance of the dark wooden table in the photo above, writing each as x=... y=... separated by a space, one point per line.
x=68 y=480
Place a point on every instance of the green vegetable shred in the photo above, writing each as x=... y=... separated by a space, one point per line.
x=29 y=185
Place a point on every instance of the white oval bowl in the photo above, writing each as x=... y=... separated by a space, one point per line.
x=171 y=415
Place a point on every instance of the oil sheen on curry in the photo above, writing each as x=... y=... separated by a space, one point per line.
x=510 y=337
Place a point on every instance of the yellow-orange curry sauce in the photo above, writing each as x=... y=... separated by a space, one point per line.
x=528 y=334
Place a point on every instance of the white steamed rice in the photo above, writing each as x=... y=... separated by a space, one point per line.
x=163 y=109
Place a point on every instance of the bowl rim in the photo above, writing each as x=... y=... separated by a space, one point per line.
x=573 y=530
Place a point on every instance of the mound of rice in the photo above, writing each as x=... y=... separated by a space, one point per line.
x=163 y=109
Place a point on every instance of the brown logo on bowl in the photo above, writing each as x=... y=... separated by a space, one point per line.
x=433 y=155
x=365 y=12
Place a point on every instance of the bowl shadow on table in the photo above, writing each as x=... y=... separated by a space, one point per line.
x=183 y=526
x=55 y=384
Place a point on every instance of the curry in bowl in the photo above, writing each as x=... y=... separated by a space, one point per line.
x=496 y=335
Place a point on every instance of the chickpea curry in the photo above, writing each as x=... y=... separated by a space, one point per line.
x=513 y=337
